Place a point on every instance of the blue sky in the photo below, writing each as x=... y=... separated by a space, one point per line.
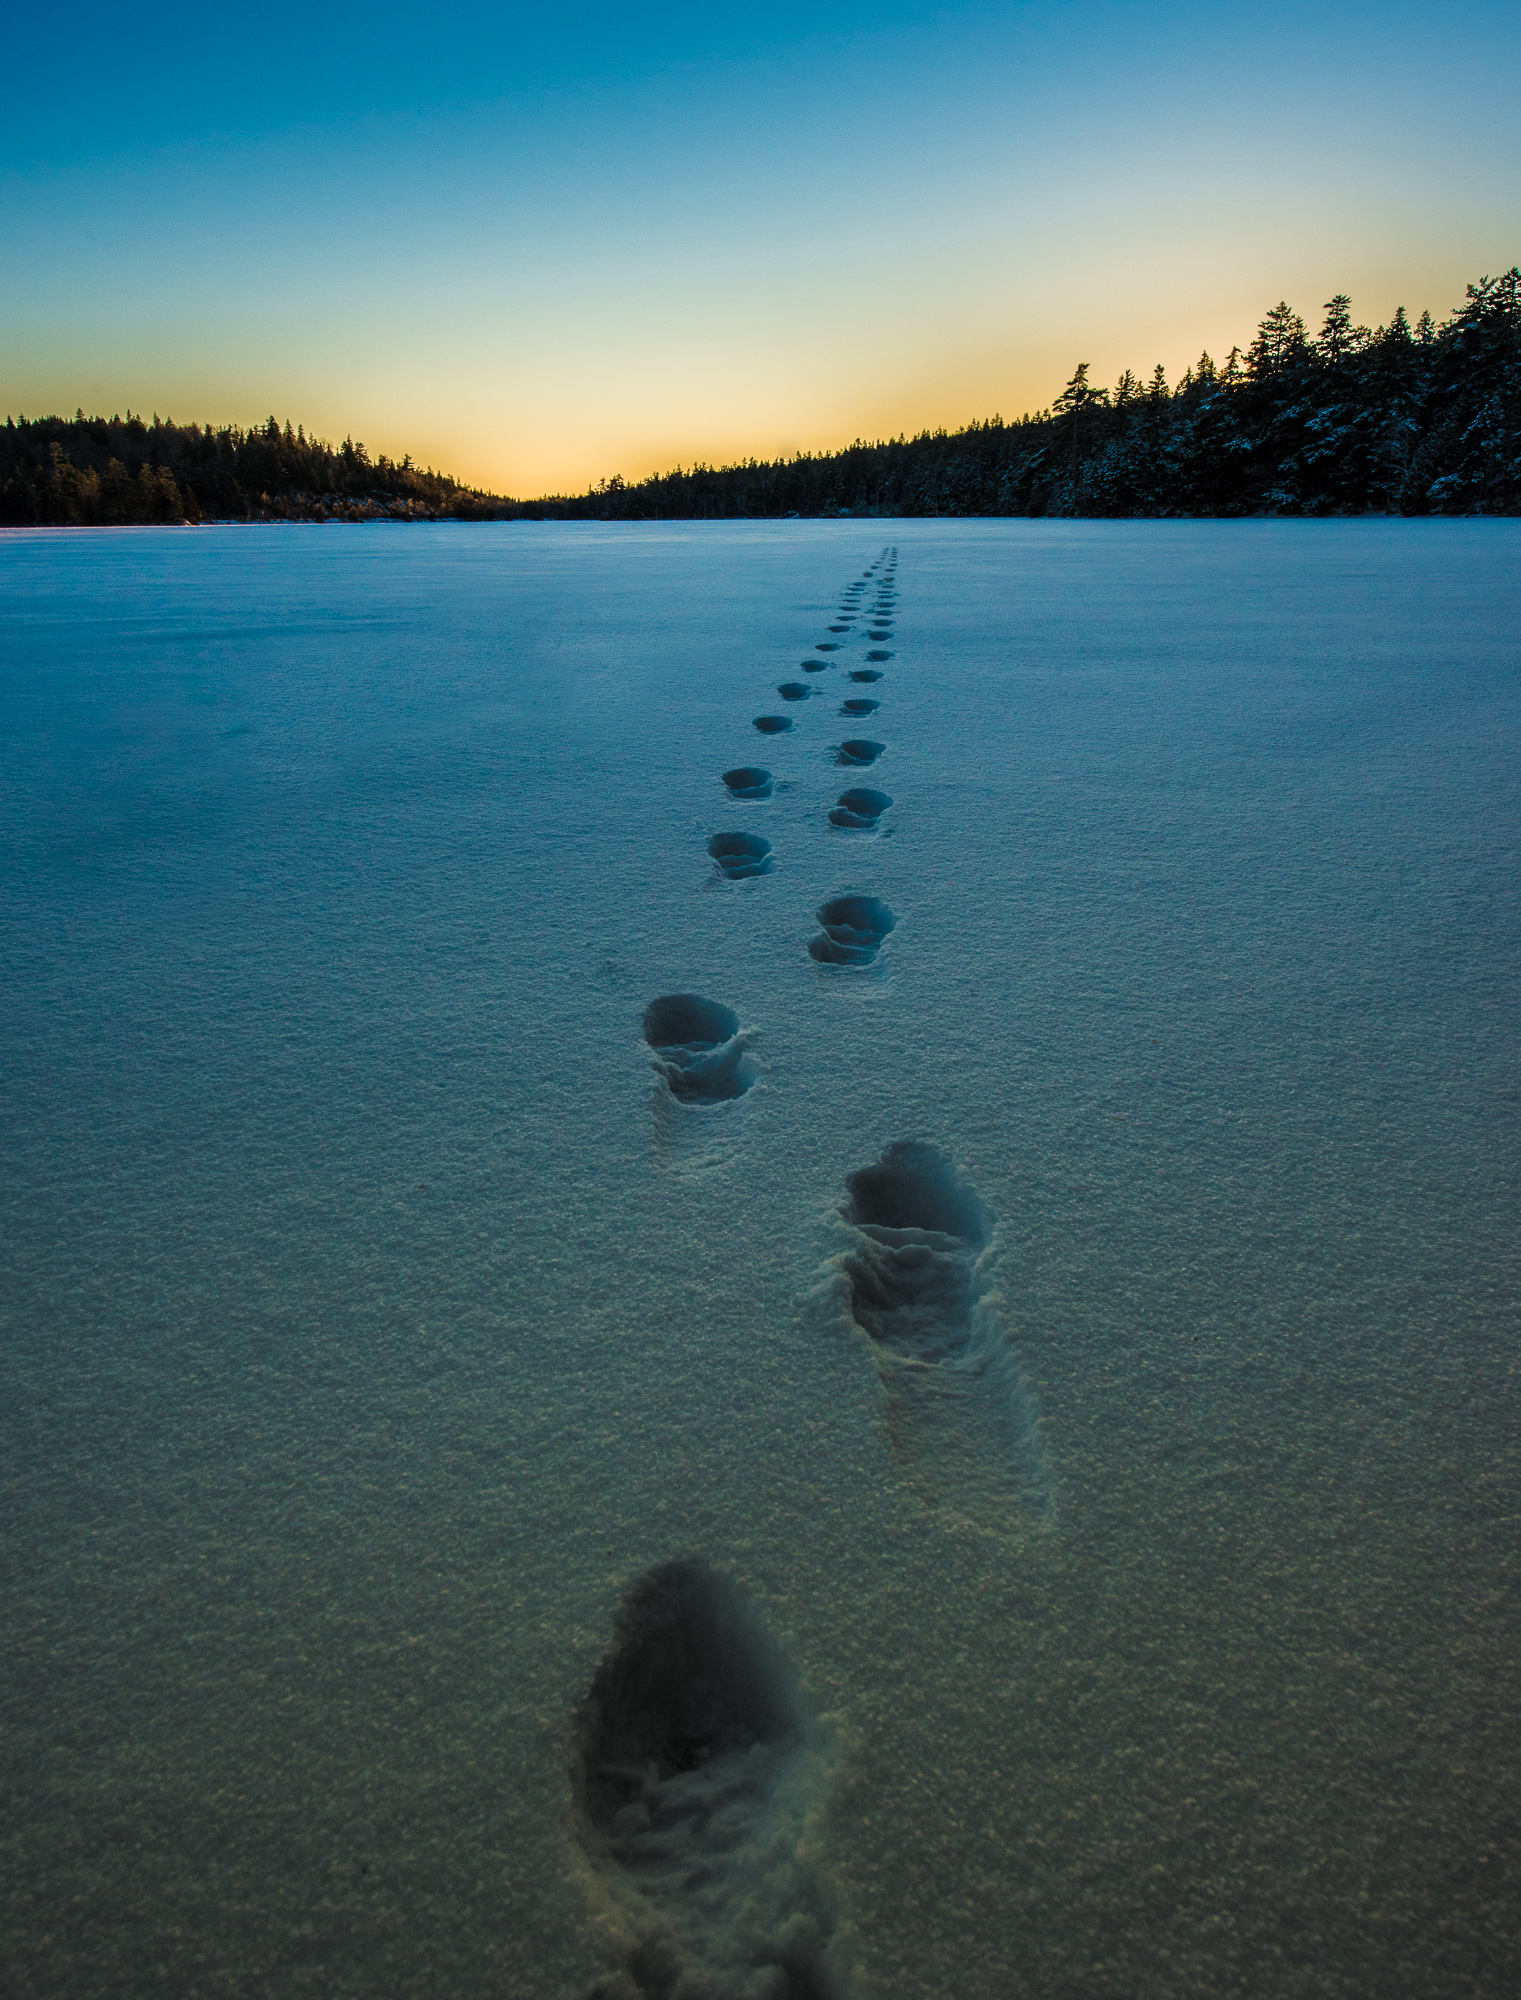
x=540 y=246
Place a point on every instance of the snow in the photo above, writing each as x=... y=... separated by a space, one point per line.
x=379 y=1315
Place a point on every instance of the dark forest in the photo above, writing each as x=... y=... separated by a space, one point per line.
x=1398 y=419
x=114 y=471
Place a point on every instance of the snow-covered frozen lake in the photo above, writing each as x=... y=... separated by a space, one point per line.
x=1118 y=1487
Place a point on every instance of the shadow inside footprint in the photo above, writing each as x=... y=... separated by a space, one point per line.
x=865 y=674
x=815 y=666
x=772 y=725
x=854 y=930
x=695 y=1771
x=698 y=1048
x=859 y=750
x=859 y=706
x=748 y=781
x=740 y=855
x=877 y=633
x=794 y=691
x=860 y=807
x=878 y=656
x=827 y=646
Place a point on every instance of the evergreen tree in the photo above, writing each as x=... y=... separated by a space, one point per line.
x=1336 y=333
x=1280 y=342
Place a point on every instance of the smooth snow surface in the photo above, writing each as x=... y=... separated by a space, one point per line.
x=628 y=1369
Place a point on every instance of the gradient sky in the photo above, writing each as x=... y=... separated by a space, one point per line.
x=539 y=246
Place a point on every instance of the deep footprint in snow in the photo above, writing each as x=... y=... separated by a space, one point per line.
x=859 y=750
x=878 y=656
x=826 y=646
x=959 y=1415
x=772 y=725
x=859 y=706
x=740 y=855
x=865 y=674
x=698 y=1048
x=794 y=691
x=860 y=807
x=695 y=1769
x=815 y=666
x=748 y=781
x=922 y=1226
x=880 y=632
x=855 y=928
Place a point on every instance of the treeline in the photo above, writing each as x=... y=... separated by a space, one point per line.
x=1388 y=420
x=111 y=471
x=1396 y=419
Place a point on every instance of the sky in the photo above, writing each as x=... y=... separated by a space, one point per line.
x=536 y=247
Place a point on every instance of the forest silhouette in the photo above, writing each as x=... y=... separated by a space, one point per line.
x=1398 y=419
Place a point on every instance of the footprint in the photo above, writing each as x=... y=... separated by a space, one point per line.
x=840 y=628
x=855 y=929
x=772 y=725
x=827 y=646
x=696 y=1770
x=699 y=1049
x=859 y=750
x=959 y=1415
x=878 y=655
x=880 y=633
x=748 y=781
x=794 y=691
x=815 y=666
x=859 y=706
x=860 y=807
x=740 y=855
x=865 y=674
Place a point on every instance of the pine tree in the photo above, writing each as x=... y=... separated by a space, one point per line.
x=1280 y=342
x=1336 y=334
x=1078 y=395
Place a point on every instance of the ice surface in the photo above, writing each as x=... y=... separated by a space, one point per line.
x=378 y=1321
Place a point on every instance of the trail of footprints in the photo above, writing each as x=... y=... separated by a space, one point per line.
x=696 y=1764
x=853 y=927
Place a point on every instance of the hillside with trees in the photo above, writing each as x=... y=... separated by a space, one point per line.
x=1398 y=419
x=112 y=471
